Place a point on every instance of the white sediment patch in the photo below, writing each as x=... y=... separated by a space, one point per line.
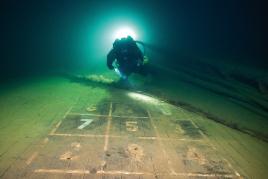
x=143 y=97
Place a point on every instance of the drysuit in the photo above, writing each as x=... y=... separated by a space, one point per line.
x=125 y=57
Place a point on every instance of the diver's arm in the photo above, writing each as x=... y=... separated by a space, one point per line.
x=140 y=55
x=110 y=59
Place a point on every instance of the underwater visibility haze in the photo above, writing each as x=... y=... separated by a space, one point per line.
x=145 y=89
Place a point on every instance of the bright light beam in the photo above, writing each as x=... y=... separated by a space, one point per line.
x=144 y=98
x=124 y=32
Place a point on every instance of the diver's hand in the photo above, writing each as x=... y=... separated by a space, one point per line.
x=145 y=60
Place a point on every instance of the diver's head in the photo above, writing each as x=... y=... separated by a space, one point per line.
x=124 y=38
x=129 y=38
x=119 y=43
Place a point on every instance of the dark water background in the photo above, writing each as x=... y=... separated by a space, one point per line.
x=42 y=36
x=206 y=49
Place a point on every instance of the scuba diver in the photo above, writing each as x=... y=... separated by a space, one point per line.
x=126 y=58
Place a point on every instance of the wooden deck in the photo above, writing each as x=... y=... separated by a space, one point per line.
x=124 y=138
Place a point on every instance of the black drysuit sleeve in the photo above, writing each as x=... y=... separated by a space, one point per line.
x=139 y=53
x=110 y=59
